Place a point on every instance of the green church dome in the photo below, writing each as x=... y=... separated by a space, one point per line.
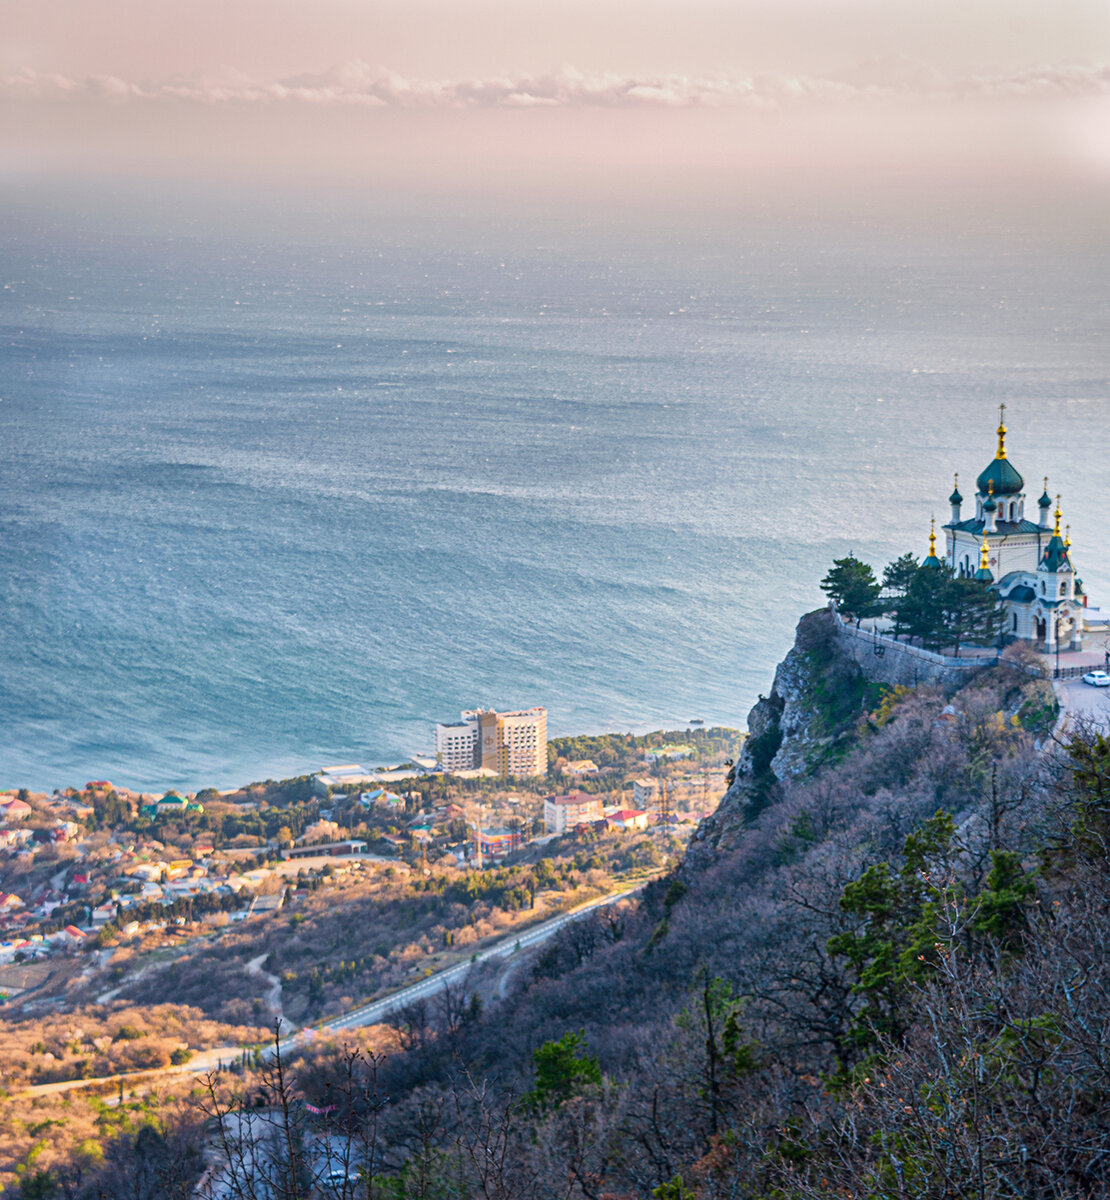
x=1003 y=475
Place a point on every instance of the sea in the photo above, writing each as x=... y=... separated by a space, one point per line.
x=286 y=482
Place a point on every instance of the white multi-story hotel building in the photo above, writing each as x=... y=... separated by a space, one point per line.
x=510 y=743
x=457 y=745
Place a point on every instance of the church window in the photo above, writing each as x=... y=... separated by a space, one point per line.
x=1015 y=623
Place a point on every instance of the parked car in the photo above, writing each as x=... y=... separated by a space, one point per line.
x=1097 y=679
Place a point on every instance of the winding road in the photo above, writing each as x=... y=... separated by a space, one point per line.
x=374 y=1012
x=366 y=1014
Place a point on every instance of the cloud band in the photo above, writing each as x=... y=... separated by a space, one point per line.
x=357 y=85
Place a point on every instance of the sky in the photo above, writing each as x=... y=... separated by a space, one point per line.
x=558 y=94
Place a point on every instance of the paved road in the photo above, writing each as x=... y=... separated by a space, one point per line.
x=1083 y=702
x=367 y=1014
x=377 y=1010
x=202 y=1060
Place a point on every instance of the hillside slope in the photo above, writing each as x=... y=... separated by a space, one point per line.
x=883 y=969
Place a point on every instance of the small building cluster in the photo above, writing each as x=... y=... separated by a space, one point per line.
x=579 y=810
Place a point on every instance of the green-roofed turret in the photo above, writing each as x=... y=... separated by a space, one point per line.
x=955 y=500
x=1044 y=503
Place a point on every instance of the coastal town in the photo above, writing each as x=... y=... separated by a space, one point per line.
x=87 y=872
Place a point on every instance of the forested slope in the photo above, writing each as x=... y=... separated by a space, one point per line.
x=883 y=970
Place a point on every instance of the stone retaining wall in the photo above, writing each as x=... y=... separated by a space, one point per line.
x=886 y=660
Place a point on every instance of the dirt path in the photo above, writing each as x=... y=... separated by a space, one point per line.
x=506 y=975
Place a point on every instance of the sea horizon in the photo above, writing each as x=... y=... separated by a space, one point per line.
x=278 y=497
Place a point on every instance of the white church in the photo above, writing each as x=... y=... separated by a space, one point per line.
x=1027 y=562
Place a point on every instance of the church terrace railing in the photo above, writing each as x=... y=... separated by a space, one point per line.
x=882 y=641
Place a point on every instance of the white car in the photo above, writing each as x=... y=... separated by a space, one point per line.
x=1097 y=679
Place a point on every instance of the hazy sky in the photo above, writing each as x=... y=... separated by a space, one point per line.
x=404 y=90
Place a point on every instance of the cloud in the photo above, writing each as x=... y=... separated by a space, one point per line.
x=357 y=85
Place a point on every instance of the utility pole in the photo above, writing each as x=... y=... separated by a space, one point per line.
x=664 y=807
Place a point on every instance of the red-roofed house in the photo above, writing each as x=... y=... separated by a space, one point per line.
x=629 y=818
x=15 y=809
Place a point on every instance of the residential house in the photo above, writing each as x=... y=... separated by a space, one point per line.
x=561 y=813
x=628 y=819
x=14 y=809
x=643 y=792
x=495 y=843
x=73 y=937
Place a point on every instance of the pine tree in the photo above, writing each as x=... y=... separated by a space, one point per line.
x=897 y=579
x=852 y=584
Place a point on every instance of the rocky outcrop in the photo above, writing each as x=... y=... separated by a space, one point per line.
x=818 y=696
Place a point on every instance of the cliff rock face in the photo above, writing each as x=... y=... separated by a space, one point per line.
x=817 y=696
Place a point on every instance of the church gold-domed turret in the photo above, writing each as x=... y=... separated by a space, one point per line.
x=932 y=560
x=984 y=574
x=1056 y=557
x=1001 y=477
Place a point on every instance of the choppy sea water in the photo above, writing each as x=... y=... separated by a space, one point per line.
x=270 y=503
